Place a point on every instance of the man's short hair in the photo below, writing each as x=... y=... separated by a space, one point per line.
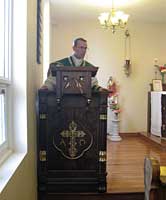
x=78 y=39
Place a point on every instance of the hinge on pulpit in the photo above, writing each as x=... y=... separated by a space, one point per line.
x=163 y=127
x=163 y=174
x=102 y=156
x=42 y=155
x=103 y=117
x=42 y=116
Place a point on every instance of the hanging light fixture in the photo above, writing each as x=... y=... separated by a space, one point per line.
x=113 y=20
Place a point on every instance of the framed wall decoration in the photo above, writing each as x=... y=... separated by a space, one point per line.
x=157 y=85
x=39 y=32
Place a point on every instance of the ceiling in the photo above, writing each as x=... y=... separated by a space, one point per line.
x=153 y=11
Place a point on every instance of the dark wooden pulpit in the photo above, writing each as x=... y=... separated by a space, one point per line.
x=71 y=135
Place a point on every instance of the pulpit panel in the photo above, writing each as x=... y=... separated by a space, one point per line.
x=71 y=143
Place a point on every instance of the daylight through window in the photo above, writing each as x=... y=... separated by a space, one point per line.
x=5 y=60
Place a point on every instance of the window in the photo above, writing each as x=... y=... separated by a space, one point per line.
x=2 y=35
x=13 y=87
x=5 y=68
x=2 y=117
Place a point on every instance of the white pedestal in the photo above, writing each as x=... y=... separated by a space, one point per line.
x=110 y=116
x=114 y=134
x=115 y=131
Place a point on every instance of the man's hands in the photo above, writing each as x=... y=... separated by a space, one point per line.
x=103 y=90
x=44 y=87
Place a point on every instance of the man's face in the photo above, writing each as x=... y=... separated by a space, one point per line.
x=80 y=49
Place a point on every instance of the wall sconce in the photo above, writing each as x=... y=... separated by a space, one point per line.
x=127 y=65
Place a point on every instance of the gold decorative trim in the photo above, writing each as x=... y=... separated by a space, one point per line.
x=163 y=174
x=103 y=117
x=102 y=156
x=42 y=116
x=42 y=155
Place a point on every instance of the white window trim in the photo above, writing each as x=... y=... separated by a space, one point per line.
x=4 y=145
x=5 y=81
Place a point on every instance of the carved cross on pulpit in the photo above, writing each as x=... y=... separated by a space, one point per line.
x=72 y=134
x=72 y=142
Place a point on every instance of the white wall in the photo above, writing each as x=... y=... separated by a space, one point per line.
x=107 y=51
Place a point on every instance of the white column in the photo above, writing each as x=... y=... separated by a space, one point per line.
x=115 y=121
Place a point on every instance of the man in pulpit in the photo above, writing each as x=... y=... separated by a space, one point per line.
x=76 y=60
x=72 y=128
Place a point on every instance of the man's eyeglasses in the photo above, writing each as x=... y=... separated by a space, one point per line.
x=85 y=48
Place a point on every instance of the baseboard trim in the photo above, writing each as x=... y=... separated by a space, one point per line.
x=128 y=134
x=154 y=140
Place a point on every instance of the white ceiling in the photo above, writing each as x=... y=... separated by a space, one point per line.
x=139 y=10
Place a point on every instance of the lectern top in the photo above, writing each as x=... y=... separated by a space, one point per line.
x=91 y=69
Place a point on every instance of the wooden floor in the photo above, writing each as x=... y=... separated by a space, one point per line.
x=125 y=168
x=125 y=163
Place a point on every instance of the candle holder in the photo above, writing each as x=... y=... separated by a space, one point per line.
x=127 y=67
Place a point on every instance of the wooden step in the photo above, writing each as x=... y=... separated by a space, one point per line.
x=94 y=196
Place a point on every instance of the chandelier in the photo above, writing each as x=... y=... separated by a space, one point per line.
x=113 y=20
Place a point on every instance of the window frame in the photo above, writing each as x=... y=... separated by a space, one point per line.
x=3 y=114
x=16 y=88
x=5 y=79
